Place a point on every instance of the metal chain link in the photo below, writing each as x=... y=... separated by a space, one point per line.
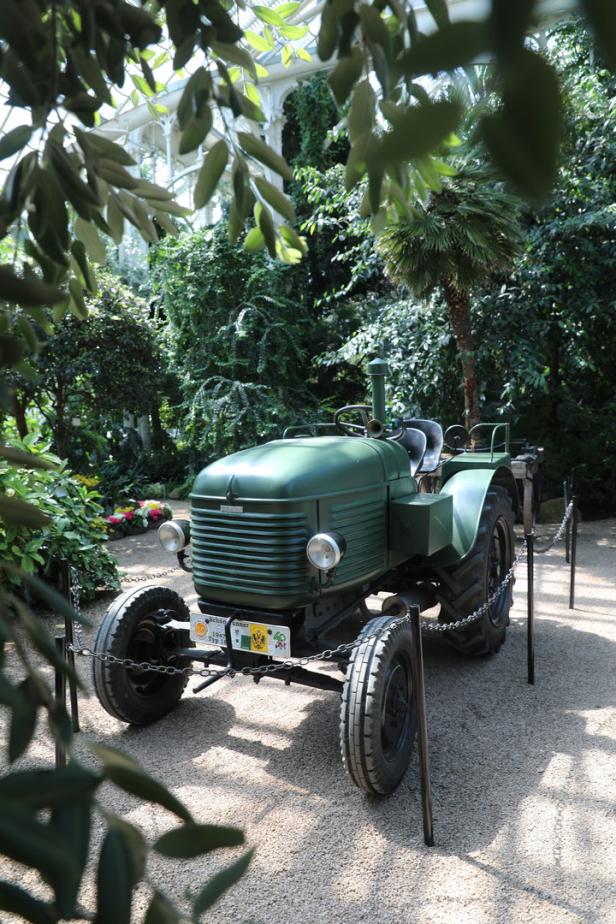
x=559 y=533
x=329 y=654
x=150 y=577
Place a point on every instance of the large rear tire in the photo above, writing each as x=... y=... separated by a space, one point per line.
x=466 y=586
x=130 y=630
x=377 y=716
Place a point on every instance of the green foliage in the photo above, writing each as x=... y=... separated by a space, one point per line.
x=239 y=333
x=465 y=231
x=462 y=233
x=343 y=262
x=310 y=118
x=420 y=352
x=552 y=327
x=96 y=371
x=75 y=530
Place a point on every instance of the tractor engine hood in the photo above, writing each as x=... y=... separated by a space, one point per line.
x=302 y=469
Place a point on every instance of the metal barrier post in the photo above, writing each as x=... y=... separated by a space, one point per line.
x=65 y=576
x=422 y=725
x=60 y=698
x=574 y=529
x=530 y=600
x=568 y=524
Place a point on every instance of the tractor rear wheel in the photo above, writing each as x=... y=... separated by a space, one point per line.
x=130 y=629
x=377 y=716
x=467 y=586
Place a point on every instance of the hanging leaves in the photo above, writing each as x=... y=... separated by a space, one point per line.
x=601 y=15
x=523 y=136
x=210 y=173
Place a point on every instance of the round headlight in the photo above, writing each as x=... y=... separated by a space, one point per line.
x=325 y=550
x=174 y=535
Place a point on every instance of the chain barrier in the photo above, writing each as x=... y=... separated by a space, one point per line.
x=559 y=533
x=329 y=654
x=151 y=577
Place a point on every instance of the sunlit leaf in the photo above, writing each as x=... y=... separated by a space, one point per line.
x=14 y=140
x=455 y=45
x=210 y=173
x=263 y=153
x=219 y=884
x=345 y=74
x=276 y=198
x=192 y=840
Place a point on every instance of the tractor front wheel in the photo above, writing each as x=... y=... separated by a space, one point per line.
x=467 y=586
x=377 y=716
x=131 y=628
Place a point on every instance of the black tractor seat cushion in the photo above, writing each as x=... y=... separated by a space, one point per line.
x=414 y=441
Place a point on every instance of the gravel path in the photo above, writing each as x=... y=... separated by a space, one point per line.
x=524 y=779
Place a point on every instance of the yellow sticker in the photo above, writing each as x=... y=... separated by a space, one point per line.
x=200 y=628
x=258 y=637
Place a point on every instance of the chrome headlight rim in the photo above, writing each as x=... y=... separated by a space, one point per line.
x=336 y=543
x=178 y=535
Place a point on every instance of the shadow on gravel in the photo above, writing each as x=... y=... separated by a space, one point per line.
x=492 y=738
x=491 y=735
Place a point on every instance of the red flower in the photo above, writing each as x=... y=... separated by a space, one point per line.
x=129 y=515
x=113 y=520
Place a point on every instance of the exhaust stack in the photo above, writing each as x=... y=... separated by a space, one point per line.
x=378 y=370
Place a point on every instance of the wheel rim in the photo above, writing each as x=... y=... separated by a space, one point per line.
x=154 y=644
x=395 y=711
x=498 y=565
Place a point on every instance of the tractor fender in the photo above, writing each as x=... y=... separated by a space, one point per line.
x=468 y=489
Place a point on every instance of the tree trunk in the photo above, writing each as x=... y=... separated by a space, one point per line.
x=459 y=312
x=19 y=413
x=554 y=380
x=157 y=428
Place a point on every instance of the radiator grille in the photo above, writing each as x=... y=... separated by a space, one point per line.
x=363 y=525
x=257 y=552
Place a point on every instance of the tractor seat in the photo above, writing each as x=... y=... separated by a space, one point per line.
x=434 y=442
x=414 y=441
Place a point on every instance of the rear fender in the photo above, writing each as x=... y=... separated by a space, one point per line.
x=468 y=489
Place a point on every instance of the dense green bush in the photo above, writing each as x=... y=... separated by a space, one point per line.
x=76 y=532
x=240 y=335
x=90 y=373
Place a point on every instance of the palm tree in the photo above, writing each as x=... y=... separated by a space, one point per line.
x=454 y=241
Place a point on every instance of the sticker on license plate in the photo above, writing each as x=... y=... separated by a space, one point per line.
x=256 y=637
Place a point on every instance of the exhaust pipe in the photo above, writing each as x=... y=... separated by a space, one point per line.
x=422 y=595
x=378 y=370
x=375 y=428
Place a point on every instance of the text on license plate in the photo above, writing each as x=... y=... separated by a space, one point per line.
x=257 y=637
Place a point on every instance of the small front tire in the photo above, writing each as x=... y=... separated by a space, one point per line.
x=130 y=630
x=377 y=716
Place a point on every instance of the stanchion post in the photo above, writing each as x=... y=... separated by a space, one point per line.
x=574 y=529
x=422 y=725
x=566 y=492
x=65 y=575
x=530 y=599
x=60 y=698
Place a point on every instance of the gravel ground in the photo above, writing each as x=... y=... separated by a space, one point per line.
x=524 y=778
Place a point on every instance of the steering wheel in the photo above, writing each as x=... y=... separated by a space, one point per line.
x=353 y=429
x=362 y=429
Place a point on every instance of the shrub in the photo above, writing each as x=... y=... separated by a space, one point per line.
x=77 y=529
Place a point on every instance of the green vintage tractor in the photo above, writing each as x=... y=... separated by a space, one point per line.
x=289 y=539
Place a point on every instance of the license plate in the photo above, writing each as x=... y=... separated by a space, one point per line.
x=256 y=637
